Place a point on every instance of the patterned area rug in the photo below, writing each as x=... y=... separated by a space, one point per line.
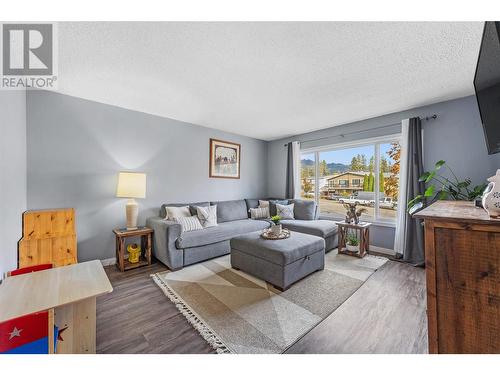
x=238 y=313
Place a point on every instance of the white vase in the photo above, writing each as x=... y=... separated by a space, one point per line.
x=352 y=248
x=276 y=229
x=491 y=200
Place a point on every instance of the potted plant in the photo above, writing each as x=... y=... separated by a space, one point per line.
x=440 y=187
x=352 y=243
x=276 y=227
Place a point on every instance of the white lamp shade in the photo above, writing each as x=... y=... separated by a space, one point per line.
x=131 y=185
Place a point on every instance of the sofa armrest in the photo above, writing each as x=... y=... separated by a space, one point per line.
x=165 y=235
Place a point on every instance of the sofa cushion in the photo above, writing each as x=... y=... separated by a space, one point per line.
x=231 y=210
x=282 y=252
x=222 y=232
x=304 y=209
x=320 y=228
x=192 y=207
x=252 y=203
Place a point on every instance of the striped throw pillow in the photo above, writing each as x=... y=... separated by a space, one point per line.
x=189 y=223
x=259 y=213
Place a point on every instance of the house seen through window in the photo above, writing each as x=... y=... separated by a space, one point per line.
x=367 y=174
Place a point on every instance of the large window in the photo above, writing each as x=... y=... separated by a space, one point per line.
x=366 y=173
x=308 y=175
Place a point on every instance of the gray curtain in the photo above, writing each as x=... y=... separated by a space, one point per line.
x=290 y=180
x=413 y=250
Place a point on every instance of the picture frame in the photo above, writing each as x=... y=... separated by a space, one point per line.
x=224 y=159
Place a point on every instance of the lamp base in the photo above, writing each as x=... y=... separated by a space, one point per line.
x=132 y=209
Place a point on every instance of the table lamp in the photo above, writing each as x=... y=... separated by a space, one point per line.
x=131 y=185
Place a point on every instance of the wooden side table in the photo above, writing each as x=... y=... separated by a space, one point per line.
x=145 y=258
x=364 y=237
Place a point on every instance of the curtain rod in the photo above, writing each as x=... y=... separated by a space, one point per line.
x=426 y=118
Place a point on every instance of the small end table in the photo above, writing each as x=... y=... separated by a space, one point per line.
x=145 y=258
x=364 y=237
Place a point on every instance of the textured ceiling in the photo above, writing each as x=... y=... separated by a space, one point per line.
x=268 y=80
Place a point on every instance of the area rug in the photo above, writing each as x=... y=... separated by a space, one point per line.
x=238 y=313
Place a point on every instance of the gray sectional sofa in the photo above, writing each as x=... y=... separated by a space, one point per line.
x=176 y=249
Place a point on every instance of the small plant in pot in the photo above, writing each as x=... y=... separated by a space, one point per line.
x=276 y=227
x=352 y=243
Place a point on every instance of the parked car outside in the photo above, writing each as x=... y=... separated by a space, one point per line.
x=355 y=199
x=335 y=197
x=387 y=202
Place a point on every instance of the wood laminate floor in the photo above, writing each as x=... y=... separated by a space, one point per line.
x=385 y=315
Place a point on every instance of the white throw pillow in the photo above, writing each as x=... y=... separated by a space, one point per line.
x=285 y=211
x=259 y=213
x=263 y=204
x=173 y=212
x=189 y=224
x=207 y=216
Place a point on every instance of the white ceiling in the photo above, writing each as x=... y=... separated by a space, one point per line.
x=268 y=80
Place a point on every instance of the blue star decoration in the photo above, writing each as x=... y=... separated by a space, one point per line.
x=15 y=333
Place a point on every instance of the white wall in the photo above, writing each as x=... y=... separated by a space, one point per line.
x=12 y=175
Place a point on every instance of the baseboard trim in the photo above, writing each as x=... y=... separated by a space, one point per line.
x=108 y=262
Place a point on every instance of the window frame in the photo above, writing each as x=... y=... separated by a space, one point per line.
x=376 y=142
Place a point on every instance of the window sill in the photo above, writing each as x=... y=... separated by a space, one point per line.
x=378 y=223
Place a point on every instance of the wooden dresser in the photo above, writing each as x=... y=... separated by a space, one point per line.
x=462 y=251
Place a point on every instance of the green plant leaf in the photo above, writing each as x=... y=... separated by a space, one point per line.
x=441 y=195
x=463 y=184
x=414 y=201
x=430 y=176
x=439 y=164
x=429 y=192
x=424 y=177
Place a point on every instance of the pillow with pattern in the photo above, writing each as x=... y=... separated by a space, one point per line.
x=285 y=211
x=207 y=216
x=189 y=223
x=259 y=213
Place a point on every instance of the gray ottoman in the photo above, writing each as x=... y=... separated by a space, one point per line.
x=279 y=262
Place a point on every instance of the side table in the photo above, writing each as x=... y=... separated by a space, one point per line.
x=145 y=258
x=364 y=237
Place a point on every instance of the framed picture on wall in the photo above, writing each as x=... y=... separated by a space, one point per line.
x=224 y=159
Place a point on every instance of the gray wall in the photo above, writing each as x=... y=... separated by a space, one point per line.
x=12 y=175
x=455 y=136
x=77 y=147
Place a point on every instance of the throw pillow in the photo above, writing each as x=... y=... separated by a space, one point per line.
x=189 y=223
x=272 y=205
x=304 y=209
x=173 y=212
x=207 y=216
x=285 y=211
x=263 y=204
x=259 y=213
